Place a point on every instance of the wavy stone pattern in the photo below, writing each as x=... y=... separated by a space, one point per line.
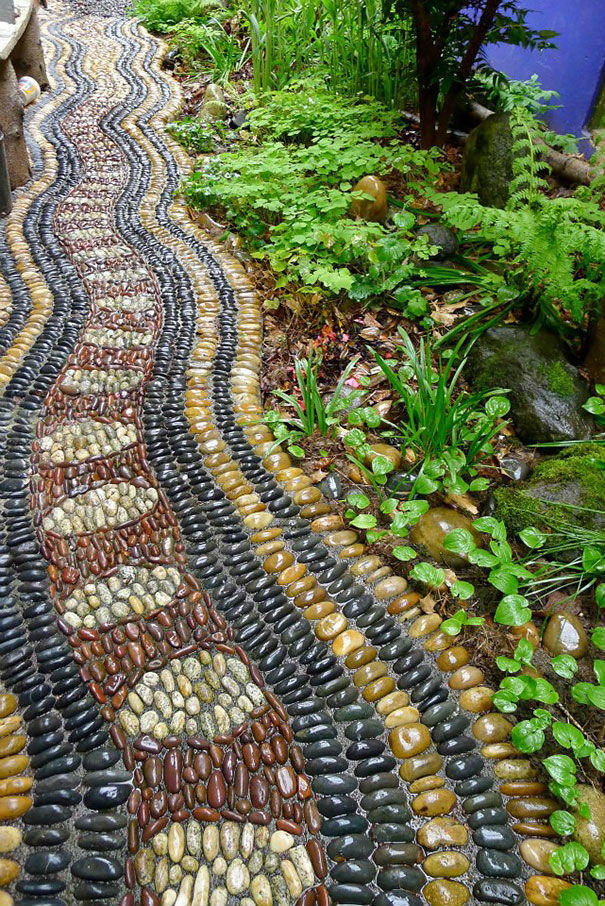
x=210 y=692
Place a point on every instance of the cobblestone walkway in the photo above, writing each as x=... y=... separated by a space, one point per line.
x=211 y=692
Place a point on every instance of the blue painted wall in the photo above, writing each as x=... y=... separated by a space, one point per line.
x=576 y=68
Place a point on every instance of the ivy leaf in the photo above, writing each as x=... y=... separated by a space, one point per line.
x=504 y=580
x=598 y=872
x=512 y=611
x=564 y=665
x=497 y=406
x=600 y=595
x=566 y=735
x=486 y=524
x=508 y=664
x=505 y=701
x=597 y=759
x=425 y=485
x=381 y=465
x=580 y=692
x=595 y=405
x=599 y=669
x=592 y=559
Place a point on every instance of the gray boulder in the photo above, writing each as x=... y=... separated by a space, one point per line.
x=442 y=237
x=546 y=391
x=487 y=163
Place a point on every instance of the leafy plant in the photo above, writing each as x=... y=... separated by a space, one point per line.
x=313 y=413
x=207 y=45
x=504 y=94
x=358 y=46
x=449 y=429
x=292 y=203
x=161 y=15
x=552 y=250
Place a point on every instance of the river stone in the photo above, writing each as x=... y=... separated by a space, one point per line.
x=565 y=634
x=443 y=238
x=446 y=893
x=374 y=209
x=546 y=392
x=487 y=162
x=590 y=832
x=431 y=529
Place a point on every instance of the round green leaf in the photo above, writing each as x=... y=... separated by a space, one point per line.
x=459 y=541
x=512 y=611
x=578 y=895
x=527 y=738
x=562 y=822
x=497 y=406
x=564 y=665
x=598 y=637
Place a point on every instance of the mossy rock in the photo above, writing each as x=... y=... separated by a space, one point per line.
x=546 y=391
x=487 y=163
x=558 y=486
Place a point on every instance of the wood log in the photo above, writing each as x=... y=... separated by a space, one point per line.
x=28 y=55
x=11 y=123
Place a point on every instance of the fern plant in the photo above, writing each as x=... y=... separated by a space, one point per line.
x=527 y=184
x=551 y=250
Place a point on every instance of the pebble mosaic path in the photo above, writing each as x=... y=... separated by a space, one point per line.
x=210 y=692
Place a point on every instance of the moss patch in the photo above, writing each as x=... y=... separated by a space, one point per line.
x=566 y=488
x=558 y=379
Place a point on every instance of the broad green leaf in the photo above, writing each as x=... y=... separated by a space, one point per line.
x=459 y=541
x=564 y=665
x=596 y=697
x=569 y=858
x=578 y=895
x=430 y=575
x=497 y=406
x=401 y=552
x=560 y=767
x=598 y=637
x=358 y=499
x=532 y=538
x=512 y=611
x=364 y=521
x=595 y=405
x=562 y=822
x=463 y=590
x=504 y=580
x=526 y=737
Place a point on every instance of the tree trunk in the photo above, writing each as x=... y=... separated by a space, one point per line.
x=427 y=109
x=11 y=123
x=28 y=56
